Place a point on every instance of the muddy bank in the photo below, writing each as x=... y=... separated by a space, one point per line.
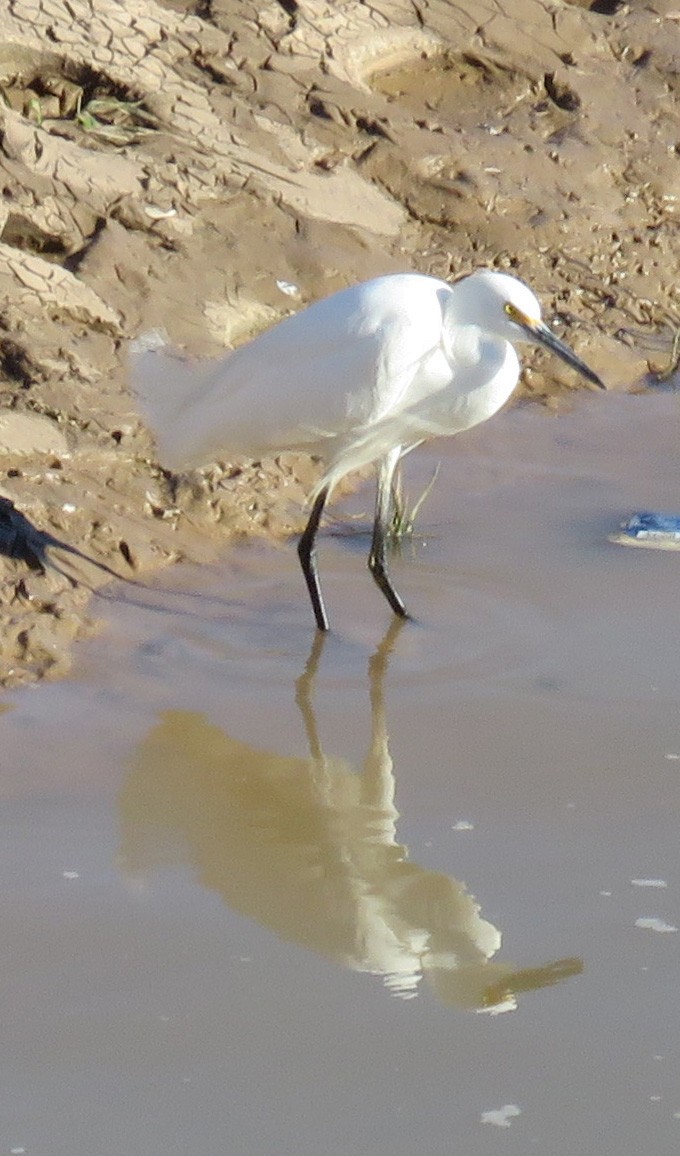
x=205 y=168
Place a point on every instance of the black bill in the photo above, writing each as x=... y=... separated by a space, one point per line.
x=538 y=331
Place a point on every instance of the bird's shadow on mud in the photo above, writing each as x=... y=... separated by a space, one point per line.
x=23 y=541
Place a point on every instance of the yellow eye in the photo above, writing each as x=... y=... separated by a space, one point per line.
x=518 y=316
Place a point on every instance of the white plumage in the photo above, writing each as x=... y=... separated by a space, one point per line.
x=361 y=376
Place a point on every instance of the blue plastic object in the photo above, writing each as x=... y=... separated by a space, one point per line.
x=652 y=529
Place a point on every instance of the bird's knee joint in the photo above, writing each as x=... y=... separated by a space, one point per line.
x=305 y=549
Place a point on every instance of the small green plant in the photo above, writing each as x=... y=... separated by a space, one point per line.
x=35 y=110
x=404 y=515
x=115 y=121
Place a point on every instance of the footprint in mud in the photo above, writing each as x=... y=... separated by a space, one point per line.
x=74 y=101
x=473 y=137
x=602 y=7
x=76 y=105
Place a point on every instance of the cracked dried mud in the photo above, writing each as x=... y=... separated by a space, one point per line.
x=178 y=166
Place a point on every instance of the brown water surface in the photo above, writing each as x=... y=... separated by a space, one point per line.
x=409 y=889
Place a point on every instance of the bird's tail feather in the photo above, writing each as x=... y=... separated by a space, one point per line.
x=164 y=385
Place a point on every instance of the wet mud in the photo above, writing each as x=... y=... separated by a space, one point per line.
x=204 y=169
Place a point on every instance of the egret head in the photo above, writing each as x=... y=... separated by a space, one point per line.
x=507 y=308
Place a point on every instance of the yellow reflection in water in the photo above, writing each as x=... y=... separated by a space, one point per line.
x=308 y=848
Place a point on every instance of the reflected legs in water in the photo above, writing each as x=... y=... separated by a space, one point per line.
x=377 y=790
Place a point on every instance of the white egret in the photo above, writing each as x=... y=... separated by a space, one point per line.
x=363 y=376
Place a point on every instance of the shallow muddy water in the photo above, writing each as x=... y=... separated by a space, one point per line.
x=412 y=889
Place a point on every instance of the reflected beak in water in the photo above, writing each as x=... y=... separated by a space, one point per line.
x=538 y=332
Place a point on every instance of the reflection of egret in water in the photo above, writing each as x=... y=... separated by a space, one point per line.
x=308 y=848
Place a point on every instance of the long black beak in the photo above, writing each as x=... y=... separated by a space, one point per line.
x=538 y=331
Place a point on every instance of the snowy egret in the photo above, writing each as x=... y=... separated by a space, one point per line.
x=363 y=376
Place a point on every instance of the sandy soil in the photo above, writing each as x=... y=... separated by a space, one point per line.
x=207 y=166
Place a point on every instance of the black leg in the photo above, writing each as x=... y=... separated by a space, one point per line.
x=377 y=559
x=307 y=556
